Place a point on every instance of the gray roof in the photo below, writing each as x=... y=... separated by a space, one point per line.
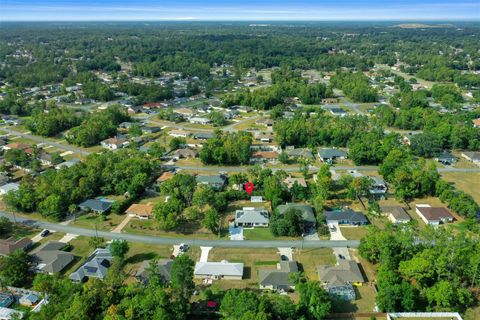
x=214 y=179
x=50 y=258
x=96 y=205
x=278 y=278
x=300 y=152
x=397 y=212
x=223 y=268
x=252 y=215
x=474 y=155
x=203 y=135
x=347 y=271
x=446 y=156
x=164 y=267
x=13 y=186
x=328 y=153
x=67 y=164
x=96 y=266
x=349 y=215
x=307 y=211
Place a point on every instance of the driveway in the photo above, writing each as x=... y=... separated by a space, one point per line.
x=337 y=235
x=235 y=233
x=287 y=252
x=68 y=237
x=312 y=235
x=204 y=254
x=119 y=228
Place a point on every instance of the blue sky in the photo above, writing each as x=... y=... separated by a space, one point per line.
x=89 y=10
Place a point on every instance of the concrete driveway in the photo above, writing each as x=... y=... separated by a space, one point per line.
x=287 y=252
x=204 y=254
x=235 y=233
x=337 y=235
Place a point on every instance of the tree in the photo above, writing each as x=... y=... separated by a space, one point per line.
x=314 y=300
x=119 y=248
x=211 y=220
x=236 y=303
x=177 y=143
x=283 y=157
x=181 y=282
x=6 y=227
x=290 y=223
x=15 y=269
x=96 y=242
x=425 y=145
x=135 y=130
x=156 y=150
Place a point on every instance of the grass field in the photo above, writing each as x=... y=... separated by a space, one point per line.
x=309 y=259
x=354 y=233
x=468 y=182
x=92 y=221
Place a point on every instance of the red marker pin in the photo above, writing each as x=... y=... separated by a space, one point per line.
x=249 y=187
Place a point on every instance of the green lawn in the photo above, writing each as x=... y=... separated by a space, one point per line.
x=258 y=234
x=354 y=233
x=93 y=220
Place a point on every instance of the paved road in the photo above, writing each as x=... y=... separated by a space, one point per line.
x=312 y=169
x=46 y=141
x=192 y=242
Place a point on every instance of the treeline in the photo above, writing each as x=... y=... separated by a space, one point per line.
x=51 y=122
x=97 y=127
x=11 y=104
x=287 y=83
x=57 y=192
x=146 y=93
x=227 y=149
x=440 y=131
x=414 y=178
x=434 y=270
x=313 y=131
x=355 y=86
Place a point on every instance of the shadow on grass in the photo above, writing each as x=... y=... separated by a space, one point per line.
x=139 y=257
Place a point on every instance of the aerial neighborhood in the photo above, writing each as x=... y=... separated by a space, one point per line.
x=242 y=172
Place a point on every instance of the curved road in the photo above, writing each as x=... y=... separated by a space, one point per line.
x=192 y=242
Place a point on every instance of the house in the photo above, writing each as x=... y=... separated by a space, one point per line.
x=265 y=122
x=114 y=143
x=152 y=105
x=45 y=158
x=203 y=135
x=28 y=300
x=446 y=158
x=140 y=211
x=395 y=214
x=263 y=137
x=164 y=269
x=433 y=215
x=167 y=175
x=134 y=109
x=300 y=153
x=96 y=266
x=347 y=216
x=252 y=217
x=339 y=112
x=216 y=182
x=476 y=123
x=150 y=130
x=179 y=133
x=329 y=155
x=6 y=299
x=50 y=257
x=472 y=156
x=244 y=109
x=330 y=100
x=200 y=120
x=264 y=156
x=308 y=216
x=20 y=146
x=338 y=279
x=219 y=270
x=10 y=245
x=6 y=188
x=185 y=153
x=10 y=314
x=67 y=164
x=95 y=205
x=290 y=182
x=278 y=279
x=379 y=186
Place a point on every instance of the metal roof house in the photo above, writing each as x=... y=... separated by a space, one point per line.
x=96 y=266
x=345 y=217
x=338 y=279
x=278 y=279
x=252 y=217
x=96 y=205
x=219 y=270
x=331 y=154
x=216 y=182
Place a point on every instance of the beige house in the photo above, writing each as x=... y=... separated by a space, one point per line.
x=219 y=270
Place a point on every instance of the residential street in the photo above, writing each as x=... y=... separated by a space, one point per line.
x=192 y=242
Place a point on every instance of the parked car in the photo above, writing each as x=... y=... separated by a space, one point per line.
x=183 y=247
x=44 y=233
